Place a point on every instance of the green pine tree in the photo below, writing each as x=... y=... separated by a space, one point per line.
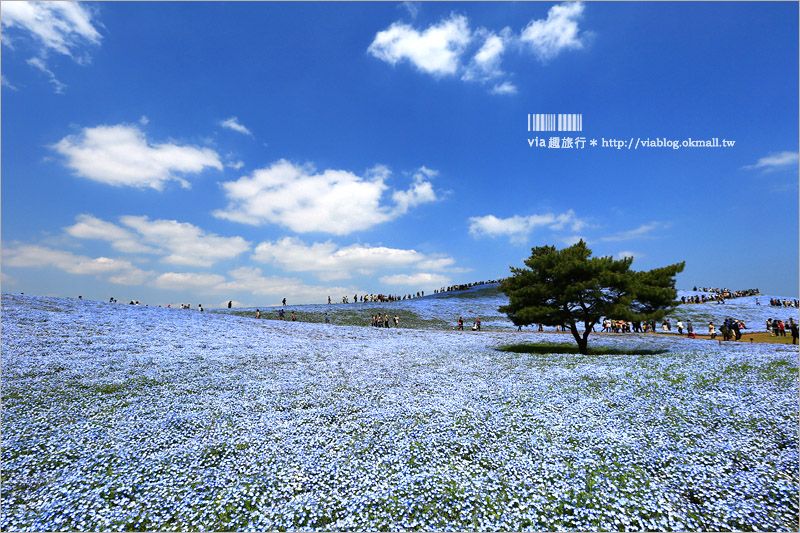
x=570 y=288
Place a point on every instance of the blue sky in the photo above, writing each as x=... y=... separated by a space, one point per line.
x=201 y=152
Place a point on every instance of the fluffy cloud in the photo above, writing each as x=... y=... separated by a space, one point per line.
x=547 y=38
x=33 y=256
x=420 y=279
x=122 y=156
x=451 y=47
x=338 y=202
x=234 y=125
x=776 y=161
x=485 y=64
x=185 y=243
x=181 y=243
x=420 y=192
x=518 y=228
x=63 y=27
x=89 y=227
x=435 y=50
x=328 y=262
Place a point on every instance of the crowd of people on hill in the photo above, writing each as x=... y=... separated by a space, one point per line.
x=777 y=302
x=727 y=294
x=464 y=286
x=385 y=298
x=717 y=295
x=382 y=298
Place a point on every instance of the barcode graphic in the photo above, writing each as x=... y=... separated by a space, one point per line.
x=555 y=121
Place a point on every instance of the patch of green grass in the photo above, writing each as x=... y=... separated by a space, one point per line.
x=355 y=317
x=544 y=348
x=109 y=388
x=474 y=294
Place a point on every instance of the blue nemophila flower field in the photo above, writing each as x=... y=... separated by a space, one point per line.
x=125 y=417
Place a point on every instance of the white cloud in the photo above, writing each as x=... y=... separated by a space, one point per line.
x=338 y=202
x=39 y=64
x=63 y=27
x=328 y=261
x=252 y=281
x=90 y=227
x=485 y=64
x=420 y=192
x=775 y=161
x=34 y=256
x=188 y=281
x=233 y=124
x=442 y=49
x=435 y=50
x=505 y=87
x=144 y=120
x=180 y=243
x=547 y=38
x=639 y=232
x=420 y=279
x=518 y=228
x=235 y=165
x=627 y=253
x=185 y=243
x=121 y=155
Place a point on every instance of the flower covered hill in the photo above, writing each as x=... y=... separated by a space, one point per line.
x=129 y=417
x=440 y=311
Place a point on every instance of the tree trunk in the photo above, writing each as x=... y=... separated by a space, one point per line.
x=583 y=346
x=581 y=340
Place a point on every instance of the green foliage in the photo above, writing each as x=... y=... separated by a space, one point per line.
x=570 y=287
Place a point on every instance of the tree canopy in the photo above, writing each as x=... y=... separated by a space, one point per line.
x=569 y=287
